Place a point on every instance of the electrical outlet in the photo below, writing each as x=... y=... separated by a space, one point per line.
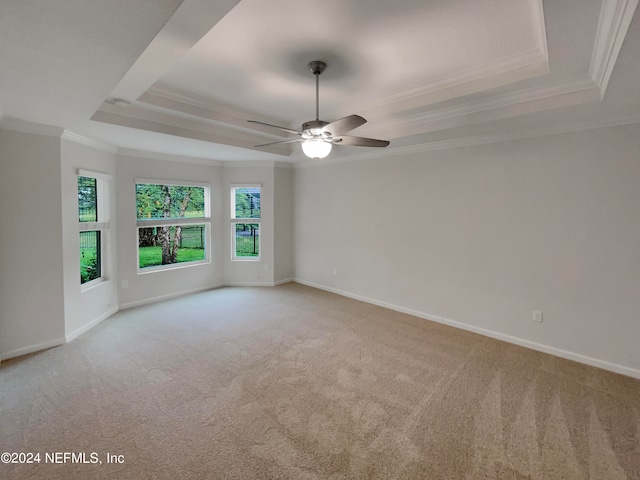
x=266 y=267
x=335 y=272
x=125 y=283
x=537 y=316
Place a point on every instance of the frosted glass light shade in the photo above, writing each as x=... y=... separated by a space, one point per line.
x=316 y=148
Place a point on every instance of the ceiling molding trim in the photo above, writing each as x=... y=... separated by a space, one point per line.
x=90 y=142
x=287 y=165
x=613 y=25
x=505 y=106
x=257 y=163
x=131 y=152
x=151 y=126
x=181 y=102
x=182 y=97
x=23 y=126
x=539 y=27
x=501 y=72
x=481 y=140
x=142 y=119
x=249 y=164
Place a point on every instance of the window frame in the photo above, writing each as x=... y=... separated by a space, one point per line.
x=235 y=221
x=175 y=222
x=101 y=225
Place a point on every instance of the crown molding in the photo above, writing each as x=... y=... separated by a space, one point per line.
x=136 y=117
x=249 y=164
x=199 y=107
x=90 y=142
x=23 y=126
x=470 y=141
x=258 y=163
x=501 y=72
x=613 y=24
x=167 y=157
x=560 y=94
x=538 y=25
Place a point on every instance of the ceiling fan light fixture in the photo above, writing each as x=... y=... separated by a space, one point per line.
x=316 y=148
x=317 y=136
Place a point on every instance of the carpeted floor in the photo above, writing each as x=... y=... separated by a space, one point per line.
x=296 y=383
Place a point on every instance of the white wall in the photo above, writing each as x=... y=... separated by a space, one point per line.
x=31 y=281
x=283 y=267
x=84 y=309
x=155 y=285
x=484 y=235
x=250 y=272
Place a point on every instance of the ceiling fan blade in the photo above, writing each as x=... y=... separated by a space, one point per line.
x=344 y=125
x=360 y=141
x=284 y=129
x=295 y=140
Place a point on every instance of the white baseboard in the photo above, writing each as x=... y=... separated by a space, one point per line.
x=76 y=333
x=32 y=349
x=169 y=296
x=258 y=284
x=249 y=284
x=577 y=357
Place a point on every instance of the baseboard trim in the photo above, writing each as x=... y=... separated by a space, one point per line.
x=32 y=348
x=249 y=284
x=282 y=282
x=85 y=328
x=160 y=298
x=577 y=357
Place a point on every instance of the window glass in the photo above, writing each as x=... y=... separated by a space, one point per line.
x=154 y=201
x=171 y=244
x=87 y=199
x=168 y=230
x=93 y=226
x=90 y=256
x=245 y=222
x=247 y=202
x=247 y=240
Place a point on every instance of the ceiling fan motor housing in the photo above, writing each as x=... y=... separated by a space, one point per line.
x=314 y=126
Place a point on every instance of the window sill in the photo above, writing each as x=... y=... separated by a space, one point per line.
x=173 y=266
x=85 y=287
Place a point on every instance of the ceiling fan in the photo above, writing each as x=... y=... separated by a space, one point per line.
x=317 y=136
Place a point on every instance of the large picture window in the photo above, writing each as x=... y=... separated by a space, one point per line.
x=173 y=223
x=245 y=222
x=93 y=224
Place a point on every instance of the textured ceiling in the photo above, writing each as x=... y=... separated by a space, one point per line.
x=425 y=73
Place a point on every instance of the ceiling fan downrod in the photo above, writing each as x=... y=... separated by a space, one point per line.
x=317 y=67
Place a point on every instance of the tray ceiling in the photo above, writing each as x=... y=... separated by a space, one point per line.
x=425 y=74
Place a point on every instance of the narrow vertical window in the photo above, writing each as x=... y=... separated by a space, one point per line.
x=92 y=225
x=245 y=222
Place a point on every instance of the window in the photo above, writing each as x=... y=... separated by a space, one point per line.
x=173 y=223
x=245 y=222
x=93 y=223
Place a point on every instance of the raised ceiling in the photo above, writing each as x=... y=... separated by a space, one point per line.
x=425 y=73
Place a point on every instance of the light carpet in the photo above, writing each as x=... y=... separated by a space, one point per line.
x=296 y=383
